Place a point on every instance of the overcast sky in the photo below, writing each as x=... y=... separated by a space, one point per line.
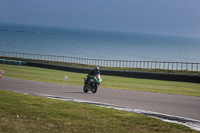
x=181 y=17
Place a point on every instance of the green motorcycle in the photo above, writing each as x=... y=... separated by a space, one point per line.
x=92 y=84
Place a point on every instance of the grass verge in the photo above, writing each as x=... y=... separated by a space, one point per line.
x=26 y=113
x=56 y=76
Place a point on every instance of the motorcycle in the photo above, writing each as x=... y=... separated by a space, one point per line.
x=92 y=84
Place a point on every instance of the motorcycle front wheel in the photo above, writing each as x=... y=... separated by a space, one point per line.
x=94 y=90
x=85 y=89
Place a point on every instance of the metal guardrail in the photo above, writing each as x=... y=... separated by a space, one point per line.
x=181 y=66
x=12 y=62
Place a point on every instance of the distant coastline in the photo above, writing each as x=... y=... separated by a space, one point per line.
x=98 y=44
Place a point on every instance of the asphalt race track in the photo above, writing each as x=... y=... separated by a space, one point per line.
x=178 y=105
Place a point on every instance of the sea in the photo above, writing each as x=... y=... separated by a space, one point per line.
x=93 y=44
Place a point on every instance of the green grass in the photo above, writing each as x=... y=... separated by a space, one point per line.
x=25 y=113
x=55 y=76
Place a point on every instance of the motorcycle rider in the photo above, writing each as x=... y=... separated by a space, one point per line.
x=92 y=73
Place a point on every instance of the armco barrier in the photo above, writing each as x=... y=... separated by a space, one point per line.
x=142 y=75
x=165 y=65
x=12 y=62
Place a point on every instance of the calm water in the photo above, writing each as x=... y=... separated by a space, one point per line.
x=98 y=44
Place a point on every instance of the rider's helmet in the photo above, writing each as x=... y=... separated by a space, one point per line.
x=96 y=69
